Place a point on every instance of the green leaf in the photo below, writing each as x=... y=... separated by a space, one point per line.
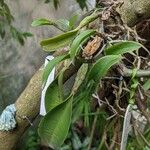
x=72 y=21
x=54 y=127
x=101 y=67
x=76 y=142
x=86 y=111
x=88 y=20
x=41 y=22
x=146 y=85
x=122 y=47
x=78 y=109
x=59 y=41
x=20 y=38
x=55 y=92
x=81 y=100
x=2 y=30
x=56 y=3
x=60 y=83
x=47 y=1
x=82 y=3
x=63 y=24
x=75 y=46
x=52 y=96
x=7 y=13
x=52 y=63
x=27 y=34
x=80 y=77
x=13 y=32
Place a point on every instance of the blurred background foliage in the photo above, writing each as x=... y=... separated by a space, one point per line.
x=6 y=26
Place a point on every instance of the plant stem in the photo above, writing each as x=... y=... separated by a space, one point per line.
x=93 y=129
x=128 y=72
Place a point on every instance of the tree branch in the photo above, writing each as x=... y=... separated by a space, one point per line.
x=134 y=11
x=26 y=105
x=124 y=71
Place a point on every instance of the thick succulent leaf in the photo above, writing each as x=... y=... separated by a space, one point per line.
x=59 y=41
x=63 y=24
x=81 y=74
x=88 y=19
x=55 y=92
x=41 y=22
x=52 y=96
x=101 y=67
x=52 y=63
x=123 y=47
x=54 y=127
x=75 y=46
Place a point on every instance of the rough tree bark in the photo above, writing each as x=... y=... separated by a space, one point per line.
x=132 y=11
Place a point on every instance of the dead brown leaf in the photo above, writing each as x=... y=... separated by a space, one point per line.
x=92 y=47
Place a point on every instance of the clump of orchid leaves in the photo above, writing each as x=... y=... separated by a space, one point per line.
x=89 y=62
